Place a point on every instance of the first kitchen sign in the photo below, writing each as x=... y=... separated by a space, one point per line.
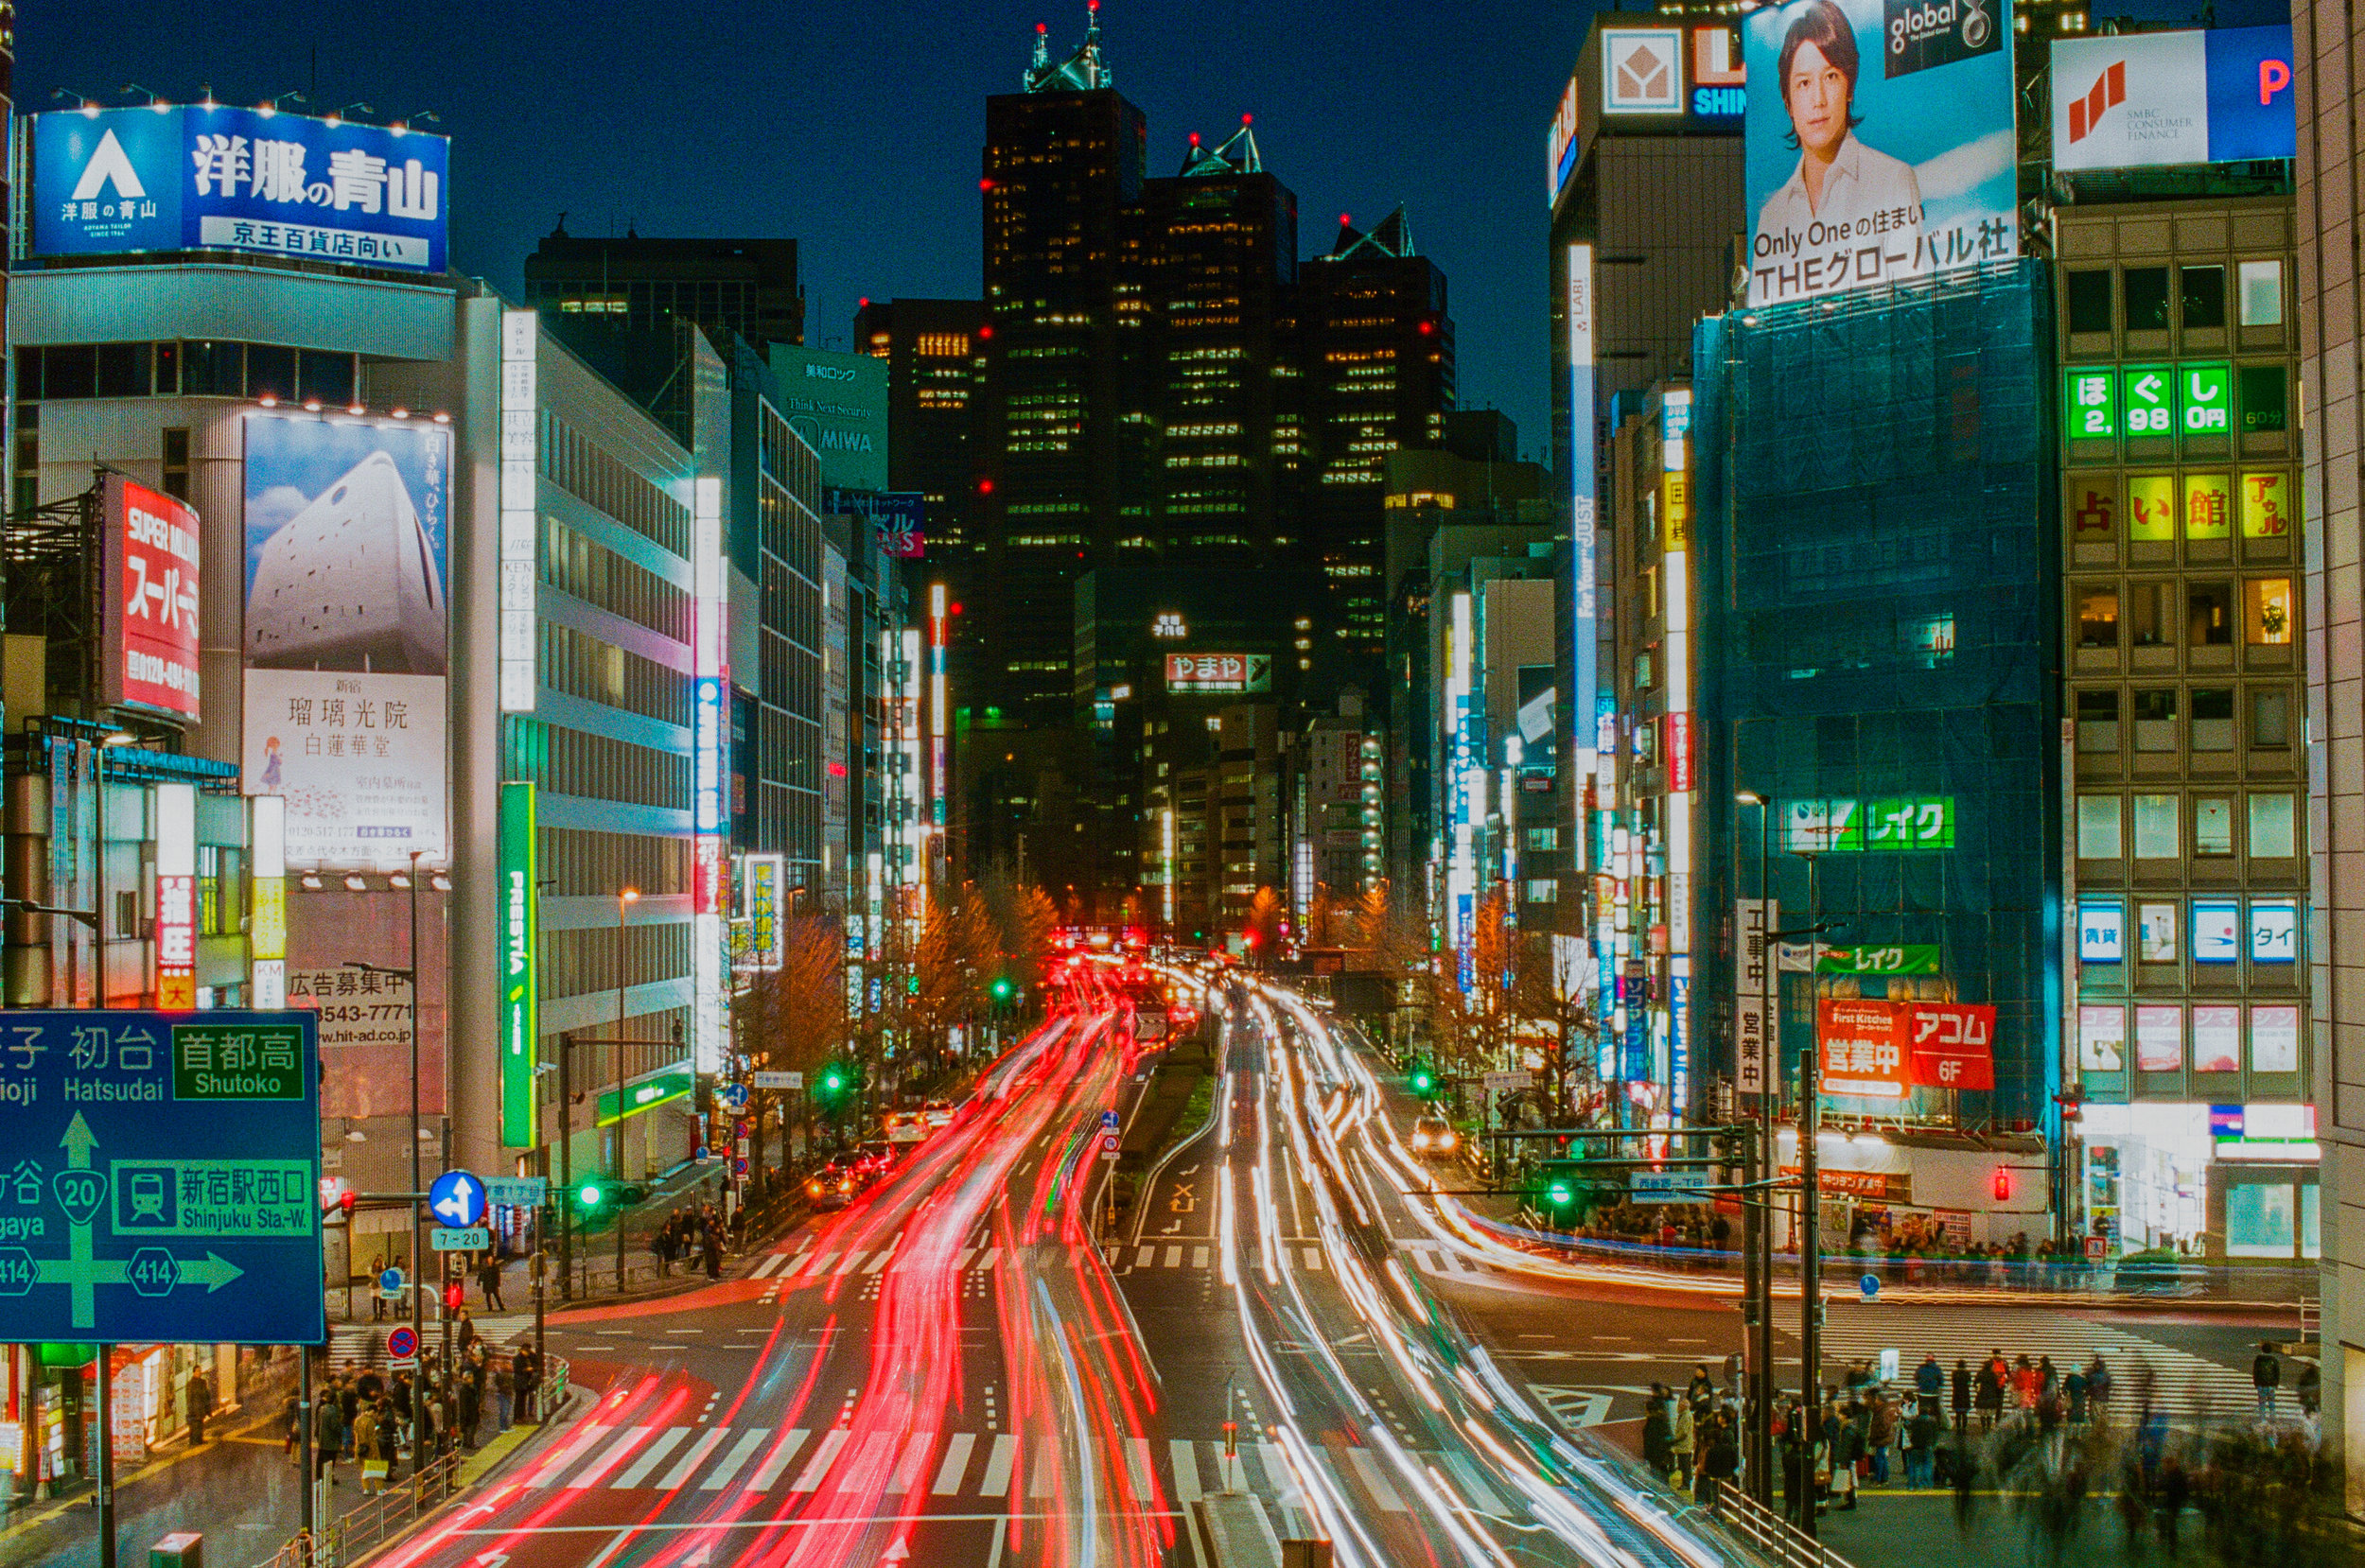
x=149 y=555
x=221 y=178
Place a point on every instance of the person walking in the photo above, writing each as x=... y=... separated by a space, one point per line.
x=328 y=1438
x=2265 y=1376
x=1961 y=1397
x=471 y=1410
x=1929 y=1378
x=1720 y=1463
x=365 y=1447
x=1921 y=1436
x=1659 y=1430
x=1990 y=1392
x=714 y=1242
x=662 y=1246
x=488 y=1279
x=201 y=1397
x=2098 y=1388
x=2025 y=1385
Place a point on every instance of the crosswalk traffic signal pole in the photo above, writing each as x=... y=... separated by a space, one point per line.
x=565 y=1168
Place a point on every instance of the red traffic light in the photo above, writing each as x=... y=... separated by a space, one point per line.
x=453 y=1296
x=345 y=1201
x=2003 y=1183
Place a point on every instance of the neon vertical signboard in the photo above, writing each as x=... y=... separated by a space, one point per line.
x=148 y=543
x=176 y=898
x=1584 y=551
x=521 y=336
x=766 y=883
x=710 y=736
x=521 y=1023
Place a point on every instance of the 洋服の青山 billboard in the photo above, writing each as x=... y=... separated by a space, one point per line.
x=345 y=548
x=1880 y=143
x=2141 y=99
x=219 y=178
x=147 y=650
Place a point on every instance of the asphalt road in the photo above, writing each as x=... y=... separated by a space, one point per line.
x=961 y=1369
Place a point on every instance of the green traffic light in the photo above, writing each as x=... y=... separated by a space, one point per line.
x=1001 y=990
x=1422 y=1081
x=1560 y=1195
x=834 y=1081
x=589 y=1194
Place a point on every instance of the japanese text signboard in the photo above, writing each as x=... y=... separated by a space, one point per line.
x=1864 y=1049
x=1240 y=672
x=162 y=1177
x=148 y=647
x=222 y=178
x=1883 y=1049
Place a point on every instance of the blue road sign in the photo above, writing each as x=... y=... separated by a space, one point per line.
x=1870 y=1285
x=518 y=1191
x=390 y=1283
x=1108 y=1121
x=734 y=1097
x=457 y=1199
x=160 y=1178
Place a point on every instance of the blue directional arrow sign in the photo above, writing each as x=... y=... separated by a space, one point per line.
x=160 y=1178
x=457 y=1199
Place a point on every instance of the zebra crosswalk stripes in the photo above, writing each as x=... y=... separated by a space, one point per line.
x=992 y=1468
x=1446 y=1261
x=2188 y=1386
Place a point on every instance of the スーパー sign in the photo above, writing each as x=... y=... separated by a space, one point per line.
x=150 y=641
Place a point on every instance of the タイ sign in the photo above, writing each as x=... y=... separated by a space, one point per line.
x=161 y=1178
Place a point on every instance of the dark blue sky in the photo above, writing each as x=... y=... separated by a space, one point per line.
x=856 y=129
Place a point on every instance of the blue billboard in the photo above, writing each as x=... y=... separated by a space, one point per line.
x=160 y=1178
x=218 y=178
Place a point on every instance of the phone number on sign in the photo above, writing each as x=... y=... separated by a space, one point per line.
x=371 y=1012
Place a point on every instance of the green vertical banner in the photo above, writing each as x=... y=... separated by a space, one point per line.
x=520 y=1026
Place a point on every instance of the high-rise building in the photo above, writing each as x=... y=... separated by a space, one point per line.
x=1375 y=370
x=748 y=288
x=1218 y=258
x=1061 y=427
x=2328 y=297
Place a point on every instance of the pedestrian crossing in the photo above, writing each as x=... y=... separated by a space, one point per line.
x=2188 y=1386
x=365 y=1344
x=974 y=1466
x=1202 y=1256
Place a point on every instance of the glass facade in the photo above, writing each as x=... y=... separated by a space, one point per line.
x=1877 y=609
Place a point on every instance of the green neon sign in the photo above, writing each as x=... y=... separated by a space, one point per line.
x=1889 y=825
x=2150 y=399
x=648 y=1092
x=2204 y=399
x=521 y=1022
x=2090 y=400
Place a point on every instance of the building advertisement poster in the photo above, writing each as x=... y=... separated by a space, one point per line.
x=1585 y=545
x=1863 y=1048
x=1880 y=143
x=148 y=636
x=220 y=177
x=345 y=547
x=1754 y=919
x=838 y=403
x=2135 y=101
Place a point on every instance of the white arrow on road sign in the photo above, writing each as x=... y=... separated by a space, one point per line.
x=458 y=1199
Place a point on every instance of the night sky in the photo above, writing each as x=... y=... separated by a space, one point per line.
x=856 y=129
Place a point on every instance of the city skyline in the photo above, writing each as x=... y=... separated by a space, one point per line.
x=883 y=220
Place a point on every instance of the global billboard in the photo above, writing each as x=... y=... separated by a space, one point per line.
x=219 y=178
x=2140 y=100
x=346 y=541
x=1879 y=144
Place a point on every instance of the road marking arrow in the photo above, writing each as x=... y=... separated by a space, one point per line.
x=78 y=1142
x=896 y=1552
x=492 y=1559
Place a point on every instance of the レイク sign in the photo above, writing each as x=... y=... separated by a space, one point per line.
x=150 y=558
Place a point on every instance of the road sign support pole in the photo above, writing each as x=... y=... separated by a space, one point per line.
x=304 y=1421
x=106 y=1457
x=1811 y=1203
x=566 y=1170
x=541 y=1274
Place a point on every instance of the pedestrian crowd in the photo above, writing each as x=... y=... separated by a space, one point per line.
x=378 y=1422
x=2046 y=1439
x=1911 y=1250
x=692 y=1237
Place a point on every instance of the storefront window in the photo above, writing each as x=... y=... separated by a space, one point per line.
x=2155 y=719
x=2260 y=1219
x=2273 y=826
x=2098 y=618
x=2262 y=294
x=2156 y=836
x=2212 y=826
x=2212 y=718
x=2155 y=927
x=2209 y=621
x=2098 y=827
x=2266 y=610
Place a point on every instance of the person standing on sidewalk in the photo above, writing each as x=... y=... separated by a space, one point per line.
x=2265 y=1376
x=505 y=1391
x=2098 y=1388
x=328 y=1436
x=488 y=1278
x=1962 y=1397
x=526 y=1373
x=201 y=1398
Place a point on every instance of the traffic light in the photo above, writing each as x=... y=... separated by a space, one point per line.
x=1003 y=988
x=1562 y=1189
x=454 y=1294
x=591 y=1195
x=1422 y=1081
x=344 y=1204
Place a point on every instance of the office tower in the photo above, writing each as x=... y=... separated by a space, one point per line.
x=1062 y=434
x=632 y=283
x=1218 y=257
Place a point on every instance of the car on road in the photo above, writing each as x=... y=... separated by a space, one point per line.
x=937 y=1113
x=874 y=1158
x=1434 y=1137
x=833 y=1186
